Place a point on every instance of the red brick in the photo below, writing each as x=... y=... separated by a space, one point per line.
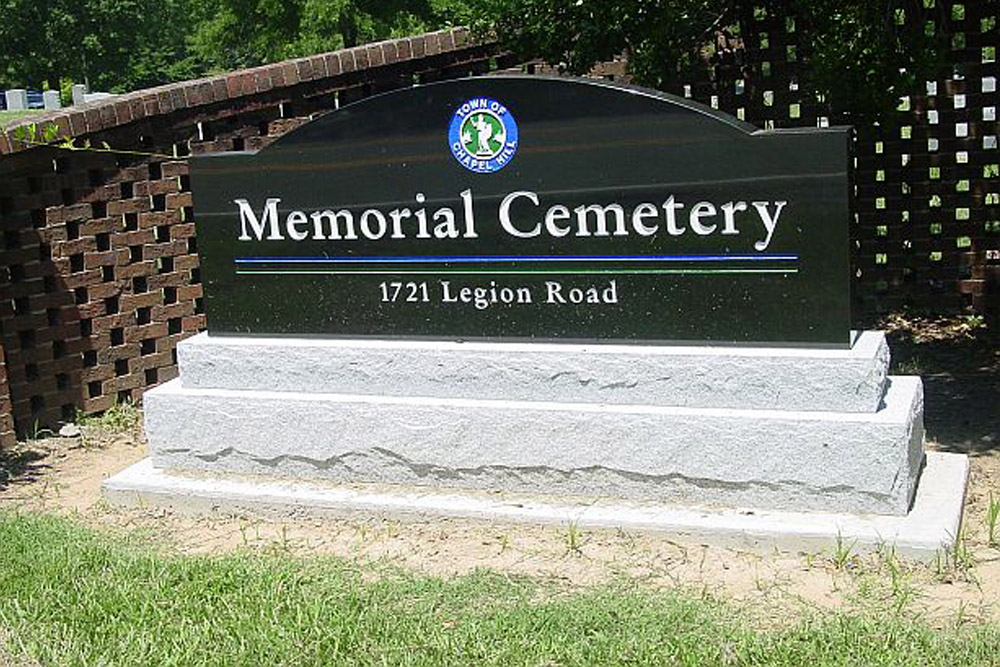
x=62 y=121
x=61 y=214
x=304 y=69
x=347 y=61
x=180 y=309
x=220 y=88
x=94 y=260
x=197 y=94
x=447 y=40
x=138 y=237
x=123 y=112
x=262 y=80
x=179 y=200
x=158 y=218
x=173 y=169
x=98 y=404
x=433 y=42
x=332 y=64
x=361 y=61
x=291 y=73
x=136 y=108
x=182 y=230
x=375 y=57
x=189 y=292
x=390 y=52
x=419 y=46
x=318 y=64
x=123 y=206
x=152 y=105
x=186 y=262
x=277 y=74
x=461 y=36
x=177 y=100
x=193 y=323
x=144 y=300
x=93 y=119
x=136 y=173
x=166 y=101
x=233 y=85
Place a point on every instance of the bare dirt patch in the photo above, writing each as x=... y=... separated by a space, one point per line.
x=64 y=475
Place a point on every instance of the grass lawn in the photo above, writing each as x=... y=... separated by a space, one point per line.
x=69 y=596
x=8 y=117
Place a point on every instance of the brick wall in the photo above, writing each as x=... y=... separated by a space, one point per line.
x=927 y=229
x=100 y=269
x=927 y=233
x=7 y=435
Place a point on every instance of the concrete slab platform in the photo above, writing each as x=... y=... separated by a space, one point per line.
x=764 y=378
x=930 y=527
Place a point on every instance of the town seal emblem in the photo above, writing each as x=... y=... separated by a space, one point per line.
x=483 y=135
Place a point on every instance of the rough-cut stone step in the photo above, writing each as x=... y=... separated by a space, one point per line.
x=767 y=459
x=704 y=377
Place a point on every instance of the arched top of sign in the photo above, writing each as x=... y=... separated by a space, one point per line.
x=565 y=97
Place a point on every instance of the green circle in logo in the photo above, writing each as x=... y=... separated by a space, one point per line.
x=483 y=135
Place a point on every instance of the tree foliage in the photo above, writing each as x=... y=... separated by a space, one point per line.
x=122 y=45
x=860 y=54
x=245 y=33
x=113 y=44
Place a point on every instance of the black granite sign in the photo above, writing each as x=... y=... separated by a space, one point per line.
x=530 y=208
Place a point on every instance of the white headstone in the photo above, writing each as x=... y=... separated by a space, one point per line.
x=79 y=92
x=17 y=99
x=51 y=99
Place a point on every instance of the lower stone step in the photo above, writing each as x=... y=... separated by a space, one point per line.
x=930 y=528
x=766 y=459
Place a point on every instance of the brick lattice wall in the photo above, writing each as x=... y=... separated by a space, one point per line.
x=7 y=435
x=927 y=201
x=101 y=273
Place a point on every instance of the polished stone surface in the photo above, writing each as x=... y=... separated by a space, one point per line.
x=712 y=230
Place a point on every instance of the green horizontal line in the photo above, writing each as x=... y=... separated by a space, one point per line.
x=511 y=272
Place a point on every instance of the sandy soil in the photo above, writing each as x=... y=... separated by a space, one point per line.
x=64 y=475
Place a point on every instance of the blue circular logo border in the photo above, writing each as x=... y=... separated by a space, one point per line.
x=457 y=148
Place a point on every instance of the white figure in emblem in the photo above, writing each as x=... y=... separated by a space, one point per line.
x=484 y=130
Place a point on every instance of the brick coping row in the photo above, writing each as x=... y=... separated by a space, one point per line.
x=123 y=109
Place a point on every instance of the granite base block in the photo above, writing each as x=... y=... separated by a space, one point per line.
x=848 y=462
x=765 y=378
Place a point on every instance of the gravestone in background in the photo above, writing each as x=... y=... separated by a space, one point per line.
x=542 y=286
x=51 y=100
x=17 y=99
x=79 y=94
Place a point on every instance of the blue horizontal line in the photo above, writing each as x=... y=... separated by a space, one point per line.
x=486 y=259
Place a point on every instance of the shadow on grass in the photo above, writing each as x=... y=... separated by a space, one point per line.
x=959 y=361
